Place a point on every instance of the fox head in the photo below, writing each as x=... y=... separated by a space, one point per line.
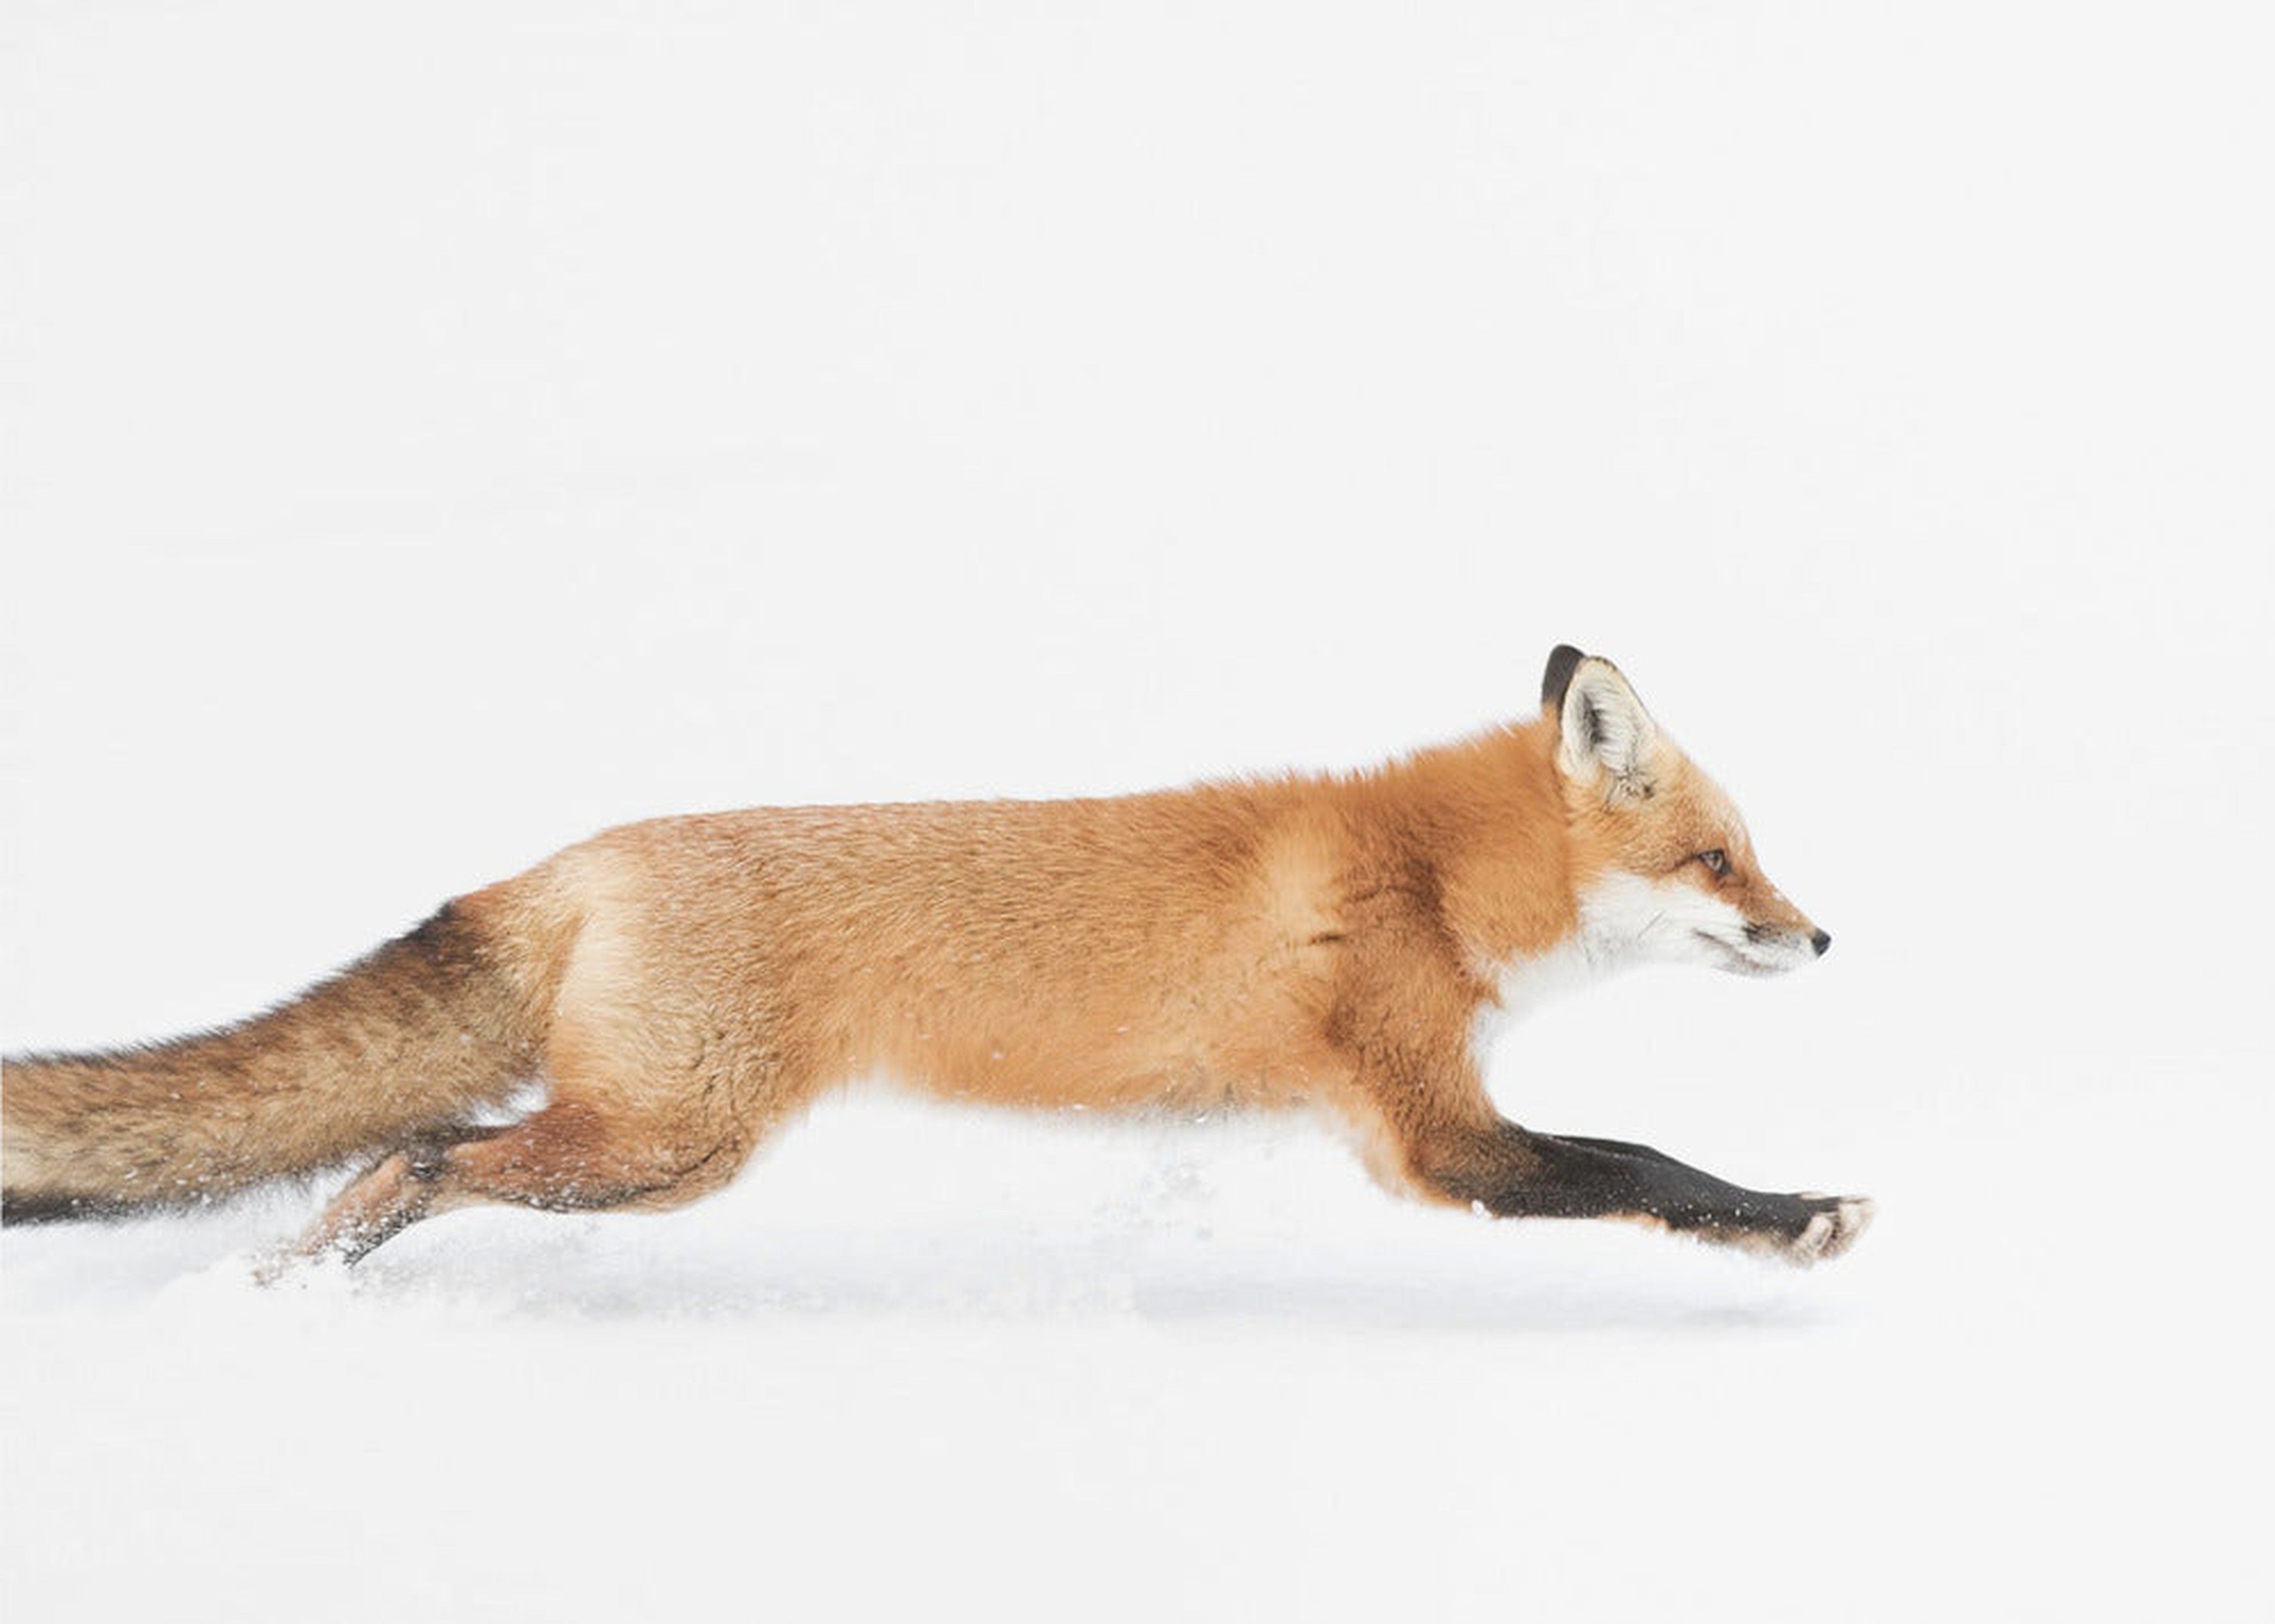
x=1662 y=865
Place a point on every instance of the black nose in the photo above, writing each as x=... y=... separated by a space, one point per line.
x=1821 y=941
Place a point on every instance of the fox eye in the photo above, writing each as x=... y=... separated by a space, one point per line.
x=1716 y=860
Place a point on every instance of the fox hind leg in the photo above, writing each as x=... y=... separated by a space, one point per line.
x=384 y=1199
x=563 y=1159
x=590 y=1149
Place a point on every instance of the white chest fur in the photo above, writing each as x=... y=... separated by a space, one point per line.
x=1623 y=919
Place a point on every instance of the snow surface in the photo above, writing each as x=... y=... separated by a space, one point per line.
x=435 y=432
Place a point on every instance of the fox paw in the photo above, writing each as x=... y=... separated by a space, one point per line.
x=1832 y=1229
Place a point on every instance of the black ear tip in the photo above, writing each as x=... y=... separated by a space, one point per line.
x=1563 y=660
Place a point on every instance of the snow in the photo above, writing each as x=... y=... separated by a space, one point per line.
x=1149 y=1370
x=437 y=434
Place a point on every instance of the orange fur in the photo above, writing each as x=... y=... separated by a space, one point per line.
x=682 y=987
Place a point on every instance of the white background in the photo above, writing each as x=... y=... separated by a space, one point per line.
x=434 y=432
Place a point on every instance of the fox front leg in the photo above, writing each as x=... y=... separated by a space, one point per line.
x=1513 y=1172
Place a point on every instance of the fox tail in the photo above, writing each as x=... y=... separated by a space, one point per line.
x=419 y=1035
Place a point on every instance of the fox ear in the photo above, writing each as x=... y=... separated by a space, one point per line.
x=1563 y=660
x=1605 y=729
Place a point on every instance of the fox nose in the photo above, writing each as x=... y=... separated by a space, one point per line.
x=1821 y=941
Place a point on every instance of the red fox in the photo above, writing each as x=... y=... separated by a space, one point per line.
x=680 y=989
